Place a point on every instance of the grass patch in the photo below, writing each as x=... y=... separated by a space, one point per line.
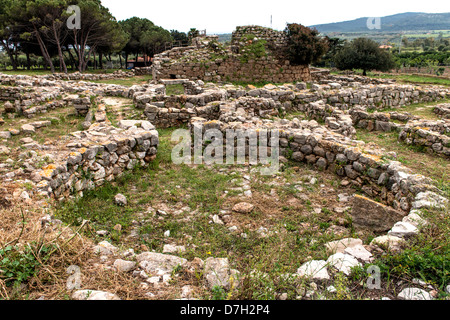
x=414 y=79
x=426 y=257
x=128 y=82
x=422 y=110
x=430 y=165
x=174 y=89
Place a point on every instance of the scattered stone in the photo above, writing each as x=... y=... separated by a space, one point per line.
x=389 y=241
x=343 y=262
x=105 y=248
x=243 y=207
x=26 y=140
x=216 y=219
x=123 y=265
x=28 y=128
x=283 y=296
x=331 y=289
x=414 y=294
x=158 y=263
x=217 y=272
x=315 y=269
x=359 y=252
x=5 y=134
x=169 y=248
x=339 y=246
x=94 y=295
x=102 y=233
x=186 y=292
x=120 y=200
x=343 y=197
x=403 y=230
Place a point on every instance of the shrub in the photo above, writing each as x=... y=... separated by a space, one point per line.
x=365 y=54
x=304 y=45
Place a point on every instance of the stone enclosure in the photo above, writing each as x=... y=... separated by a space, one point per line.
x=330 y=109
x=208 y=60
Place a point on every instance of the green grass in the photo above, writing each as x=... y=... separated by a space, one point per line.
x=426 y=256
x=429 y=165
x=37 y=72
x=174 y=89
x=413 y=79
x=199 y=192
x=418 y=109
x=137 y=80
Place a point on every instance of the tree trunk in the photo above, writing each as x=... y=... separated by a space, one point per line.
x=100 y=60
x=28 y=60
x=120 y=60
x=10 y=55
x=62 y=64
x=72 y=59
x=364 y=73
x=44 y=50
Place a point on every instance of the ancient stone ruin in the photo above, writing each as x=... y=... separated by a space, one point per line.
x=333 y=107
x=208 y=60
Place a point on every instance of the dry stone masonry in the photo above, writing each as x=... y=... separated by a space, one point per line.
x=334 y=106
x=208 y=60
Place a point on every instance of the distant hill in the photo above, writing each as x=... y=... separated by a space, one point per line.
x=398 y=22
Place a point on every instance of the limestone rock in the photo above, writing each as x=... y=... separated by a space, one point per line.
x=217 y=272
x=340 y=245
x=315 y=269
x=94 y=295
x=391 y=242
x=359 y=252
x=169 y=248
x=158 y=263
x=243 y=207
x=105 y=248
x=124 y=265
x=403 y=230
x=120 y=200
x=414 y=294
x=371 y=215
x=343 y=262
x=27 y=128
x=5 y=134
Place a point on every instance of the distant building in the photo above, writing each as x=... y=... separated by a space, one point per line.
x=386 y=47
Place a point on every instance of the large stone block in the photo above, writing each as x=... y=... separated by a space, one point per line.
x=371 y=215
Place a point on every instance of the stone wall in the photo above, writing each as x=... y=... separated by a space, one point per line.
x=368 y=169
x=442 y=110
x=232 y=69
x=434 y=136
x=338 y=108
x=213 y=62
x=99 y=154
x=275 y=39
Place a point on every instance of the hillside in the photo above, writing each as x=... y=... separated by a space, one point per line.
x=397 y=22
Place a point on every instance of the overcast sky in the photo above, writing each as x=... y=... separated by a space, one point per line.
x=223 y=16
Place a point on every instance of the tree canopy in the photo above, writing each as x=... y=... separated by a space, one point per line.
x=40 y=27
x=365 y=54
x=305 y=46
